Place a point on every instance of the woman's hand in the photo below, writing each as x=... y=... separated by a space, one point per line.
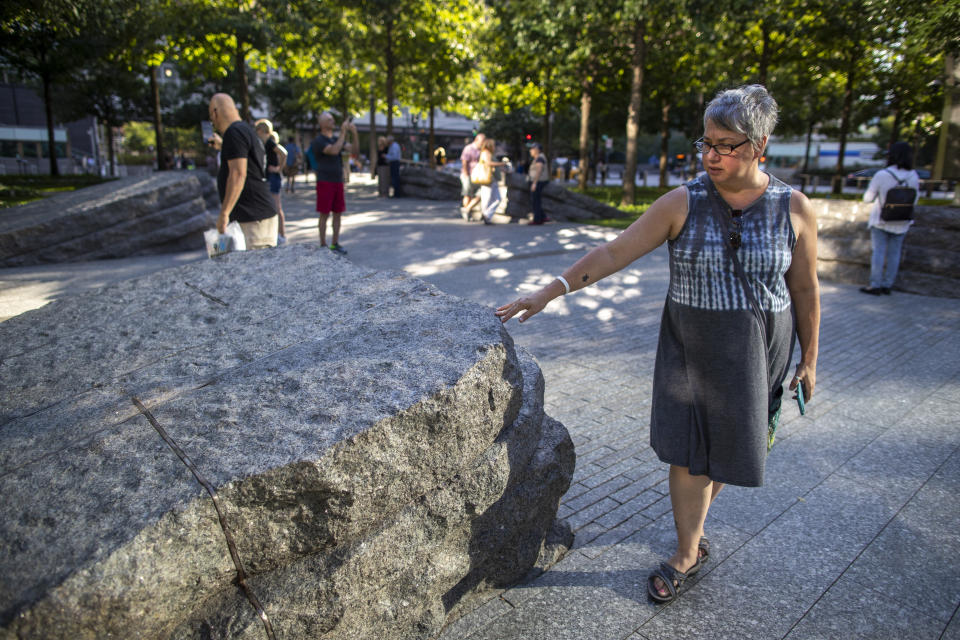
x=808 y=374
x=530 y=304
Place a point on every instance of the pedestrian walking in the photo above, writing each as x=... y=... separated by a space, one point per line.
x=887 y=236
x=743 y=258
x=489 y=187
x=468 y=189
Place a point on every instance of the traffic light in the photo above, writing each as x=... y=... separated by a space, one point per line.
x=528 y=137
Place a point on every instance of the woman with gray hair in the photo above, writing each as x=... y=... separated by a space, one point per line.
x=743 y=258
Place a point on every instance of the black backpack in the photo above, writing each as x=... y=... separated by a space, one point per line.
x=898 y=204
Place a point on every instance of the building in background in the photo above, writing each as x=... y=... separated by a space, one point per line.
x=24 y=144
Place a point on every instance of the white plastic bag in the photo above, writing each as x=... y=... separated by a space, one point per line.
x=221 y=243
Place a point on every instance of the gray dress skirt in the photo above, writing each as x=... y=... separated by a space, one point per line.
x=716 y=383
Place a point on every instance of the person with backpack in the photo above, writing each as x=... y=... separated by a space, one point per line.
x=893 y=191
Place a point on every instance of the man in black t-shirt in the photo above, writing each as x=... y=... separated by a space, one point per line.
x=241 y=181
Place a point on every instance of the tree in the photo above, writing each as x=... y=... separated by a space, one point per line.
x=44 y=39
x=217 y=39
x=528 y=46
x=392 y=40
x=594 y=25
x=107 y=91
x=637 y=20
x=445 y=53
x=938 y=26
x=861 y=27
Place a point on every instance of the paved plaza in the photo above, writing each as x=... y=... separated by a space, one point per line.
x=856 y=531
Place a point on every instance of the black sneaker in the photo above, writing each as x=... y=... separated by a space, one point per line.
x=873 y=291
x=338 y=248
x=885 y=290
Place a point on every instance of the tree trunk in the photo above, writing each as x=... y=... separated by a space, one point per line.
x=111 y=155
x=637 y=60
x=947 y=161
x=433 y=160
x=806 y=153
x=548 y=131
x=585 y=101
x=388 y=58
x=845 y=120
x=242 y=84
x=157 y=122
x=664 y=143
x=598 y=155
x=764 y=53
x=897 y=115
x=51 y=140
x=373 y=133
x=694 y=134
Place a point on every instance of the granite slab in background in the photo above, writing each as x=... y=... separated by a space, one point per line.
x=379 y=451
x=161 y=212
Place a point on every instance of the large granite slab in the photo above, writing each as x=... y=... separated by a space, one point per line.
x=930 y=262
x=378 y=451
x=160 y=212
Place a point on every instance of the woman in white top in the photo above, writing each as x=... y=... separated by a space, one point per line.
x=489 y=193
x=887 y=236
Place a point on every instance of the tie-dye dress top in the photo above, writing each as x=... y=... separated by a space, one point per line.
x=715 y=382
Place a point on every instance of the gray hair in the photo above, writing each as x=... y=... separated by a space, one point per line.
x=749 y=110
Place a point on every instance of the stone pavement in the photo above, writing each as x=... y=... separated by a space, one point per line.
x=854 y=534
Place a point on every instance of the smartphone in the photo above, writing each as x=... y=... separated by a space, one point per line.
x=800 y=399
x=206 y=128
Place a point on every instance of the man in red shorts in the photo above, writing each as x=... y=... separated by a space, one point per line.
x=326 y=150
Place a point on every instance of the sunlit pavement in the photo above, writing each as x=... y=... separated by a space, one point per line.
x=853 y=534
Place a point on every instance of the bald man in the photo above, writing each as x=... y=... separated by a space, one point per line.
x=327 y=148
x=242 y=181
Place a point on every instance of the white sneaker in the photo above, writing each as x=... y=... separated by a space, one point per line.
x=281 y=240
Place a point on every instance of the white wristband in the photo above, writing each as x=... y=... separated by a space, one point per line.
x=566 y=285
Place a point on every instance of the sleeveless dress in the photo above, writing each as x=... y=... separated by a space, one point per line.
x=715 y=383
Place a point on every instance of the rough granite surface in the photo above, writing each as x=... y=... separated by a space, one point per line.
x=930 y=262
x=164 y=211
x=558 y=202
x=429 y=184
x=379 y=451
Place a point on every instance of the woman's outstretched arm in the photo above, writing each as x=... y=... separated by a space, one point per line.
x=662 y=221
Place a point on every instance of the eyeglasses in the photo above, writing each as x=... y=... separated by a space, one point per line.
x=736 y=241
x=721 y=149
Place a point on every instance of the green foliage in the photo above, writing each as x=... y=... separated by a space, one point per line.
x=643 y=198
x=140 y=138
x=16 y=190
x=512 y=63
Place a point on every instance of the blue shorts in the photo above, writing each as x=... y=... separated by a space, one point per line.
x=276 y=182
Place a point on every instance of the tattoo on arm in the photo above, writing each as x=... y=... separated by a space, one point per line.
x=585 y=277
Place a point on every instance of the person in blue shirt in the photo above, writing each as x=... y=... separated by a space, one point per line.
x=393 y=157
x=294 y=157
